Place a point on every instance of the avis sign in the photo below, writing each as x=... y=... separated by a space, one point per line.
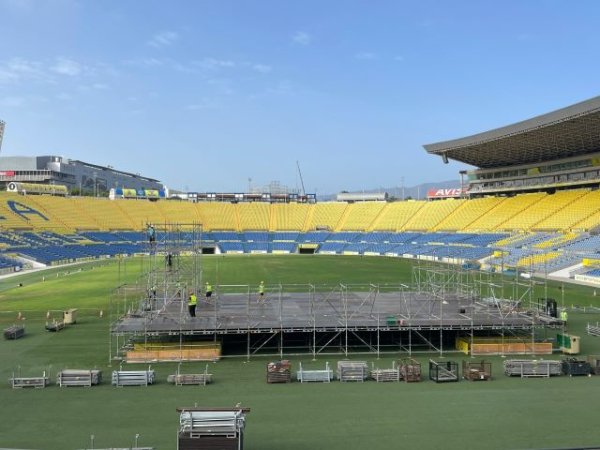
x=445 y=193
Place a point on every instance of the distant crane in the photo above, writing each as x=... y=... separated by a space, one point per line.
x=301 y=180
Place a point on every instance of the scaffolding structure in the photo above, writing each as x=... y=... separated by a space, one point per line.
x=442 y=302
x=171 y=270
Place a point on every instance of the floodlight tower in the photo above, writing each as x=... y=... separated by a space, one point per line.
x=2 y=125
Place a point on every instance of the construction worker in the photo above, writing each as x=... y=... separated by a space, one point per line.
x=192 y=302
x=564 y=316
x=208 y=290
x=151 y=233
x=261 y=290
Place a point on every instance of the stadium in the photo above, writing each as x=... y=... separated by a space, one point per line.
x=481 y=272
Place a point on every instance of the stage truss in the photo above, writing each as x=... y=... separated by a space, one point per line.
x=441 y=303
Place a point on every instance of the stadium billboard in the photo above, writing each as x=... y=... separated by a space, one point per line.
x=433 y=194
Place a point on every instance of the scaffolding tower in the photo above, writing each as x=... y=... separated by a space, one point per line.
x=171 y=270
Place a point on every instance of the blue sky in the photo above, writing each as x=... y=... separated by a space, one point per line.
x=204 y=95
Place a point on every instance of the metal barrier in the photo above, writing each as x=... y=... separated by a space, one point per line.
x=532 y=368
x=76 y=377
x=132 y=377
x=323 y=376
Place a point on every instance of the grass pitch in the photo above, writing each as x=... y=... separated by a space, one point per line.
x=503 y=413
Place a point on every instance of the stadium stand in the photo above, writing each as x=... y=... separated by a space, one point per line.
x=585 y=213
x=104 y=213
x=313 y=237
x=395 y=215
x=505 y=211
x=285 y=236
x=283 y=247
x=289 y=217
x=223 y=236
x=255 y=236
x=326 y=216
x=545 y=207
x=344 y=236
x=331 y=248
x=462 y=217
x=254 y=216
x=431 y=214
x=218 y=216
x=359 y=216
x=576 y=206
x=176 y=211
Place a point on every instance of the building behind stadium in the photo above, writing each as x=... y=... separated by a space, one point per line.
x=78 y=176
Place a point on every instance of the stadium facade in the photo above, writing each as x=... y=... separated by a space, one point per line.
x=76 y=175
x=554 y=151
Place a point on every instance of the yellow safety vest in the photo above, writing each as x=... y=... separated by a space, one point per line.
x=192 y=300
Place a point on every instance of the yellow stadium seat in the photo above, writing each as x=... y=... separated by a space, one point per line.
x=360 y=216
x=326 y=215
x=395 y=215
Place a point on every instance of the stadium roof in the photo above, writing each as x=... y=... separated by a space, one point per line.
x=566 y=132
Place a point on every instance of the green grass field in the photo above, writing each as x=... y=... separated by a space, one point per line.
x=500 y=414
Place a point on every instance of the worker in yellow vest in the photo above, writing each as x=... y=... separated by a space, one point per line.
x=192 y=302
x=261 y=290
x=208 y=288
x=564 y=316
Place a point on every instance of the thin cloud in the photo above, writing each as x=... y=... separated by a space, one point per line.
x=163 y=39
x=145 y=62
x=399 y=58
x=365 y=56
x=284 y=87
x=262 y=68
x=214 y=63
x=68 y=67
x=203 y=104
x=19 y=69
x=301 y=38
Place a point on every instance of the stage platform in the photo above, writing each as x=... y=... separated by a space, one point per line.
x=289 y=312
